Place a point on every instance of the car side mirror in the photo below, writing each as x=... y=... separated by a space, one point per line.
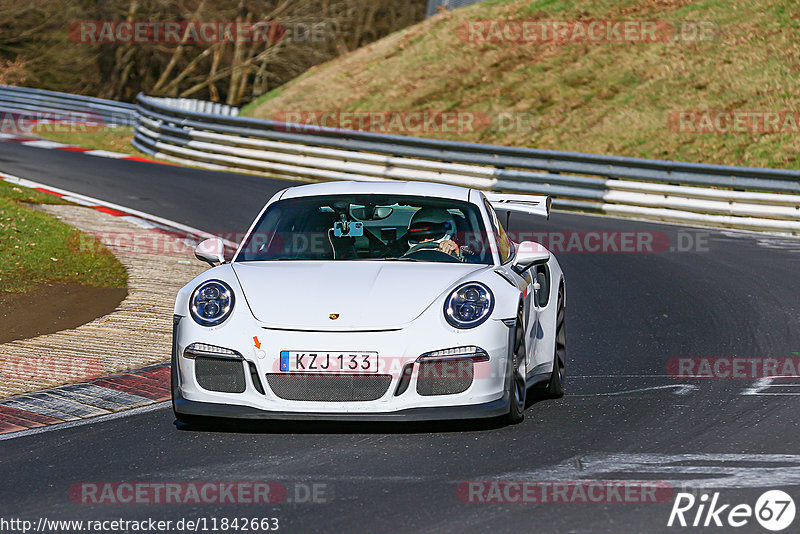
x=211 y=251
x=529 y=254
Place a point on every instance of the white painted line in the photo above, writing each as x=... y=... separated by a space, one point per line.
x=762 y=387
x=620 y=376
x=44 y=143
x=97 y=202
x=704 y=470
x=138 y=221
x=680 y=389
x=106 y=154
x=81 y=422
x=79 y=201
x=21 y=181
x=758 y=386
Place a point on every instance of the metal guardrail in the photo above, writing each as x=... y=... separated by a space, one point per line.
x=690 y=193
x=213 y=136
x=200 y=106
x=38 y=104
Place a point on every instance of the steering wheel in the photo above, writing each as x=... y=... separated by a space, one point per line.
x=429 y=251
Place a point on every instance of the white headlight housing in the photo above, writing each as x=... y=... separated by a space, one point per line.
x=211 y=303
x=469 y=305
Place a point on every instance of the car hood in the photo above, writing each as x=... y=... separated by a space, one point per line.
x=305 y=295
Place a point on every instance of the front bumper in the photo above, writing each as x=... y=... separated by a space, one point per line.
x=490 y=409
x=486 y=397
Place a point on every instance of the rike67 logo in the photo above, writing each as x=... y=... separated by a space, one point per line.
x=774 y=510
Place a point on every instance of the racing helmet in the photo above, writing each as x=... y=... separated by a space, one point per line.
x=431 y=224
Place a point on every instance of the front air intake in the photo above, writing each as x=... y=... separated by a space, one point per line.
x=329 y=388
x=445 y=377
x=220 y=374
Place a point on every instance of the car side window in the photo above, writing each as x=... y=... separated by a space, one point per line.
x=503 y=243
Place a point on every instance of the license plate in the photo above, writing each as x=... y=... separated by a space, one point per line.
x=329 y=362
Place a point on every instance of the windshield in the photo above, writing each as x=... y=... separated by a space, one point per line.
x=369 y=227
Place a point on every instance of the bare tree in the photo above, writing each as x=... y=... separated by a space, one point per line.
x=304 y=33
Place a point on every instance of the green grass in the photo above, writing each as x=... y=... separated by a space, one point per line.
x=605 y=98
x=36 y=247
x=9 y=191
x=110 y=139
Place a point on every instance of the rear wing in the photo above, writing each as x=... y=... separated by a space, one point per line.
x=530 y=204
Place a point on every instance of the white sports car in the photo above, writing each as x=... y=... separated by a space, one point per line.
x=372 y=300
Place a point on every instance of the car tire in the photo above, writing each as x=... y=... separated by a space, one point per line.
x=555 y=387
x=517 y=384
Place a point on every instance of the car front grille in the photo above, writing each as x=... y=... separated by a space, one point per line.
x=220 y=374
x=445 y=377
x=329 y=388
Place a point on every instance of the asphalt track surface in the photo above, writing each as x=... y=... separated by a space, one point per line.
x=628 y=315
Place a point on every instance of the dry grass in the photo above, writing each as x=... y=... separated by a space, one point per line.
x=607 y=98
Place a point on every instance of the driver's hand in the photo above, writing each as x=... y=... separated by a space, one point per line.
x=450 y=247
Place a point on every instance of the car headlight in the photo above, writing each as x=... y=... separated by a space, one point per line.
x=211 y=303
x=469 y=305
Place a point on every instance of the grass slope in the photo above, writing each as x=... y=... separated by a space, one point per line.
x=36 y=247
x=607 y=98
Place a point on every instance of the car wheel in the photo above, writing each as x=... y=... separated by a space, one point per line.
x=555 y=387
x=516 y=411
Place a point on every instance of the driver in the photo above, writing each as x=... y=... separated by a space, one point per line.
x=433 y=228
